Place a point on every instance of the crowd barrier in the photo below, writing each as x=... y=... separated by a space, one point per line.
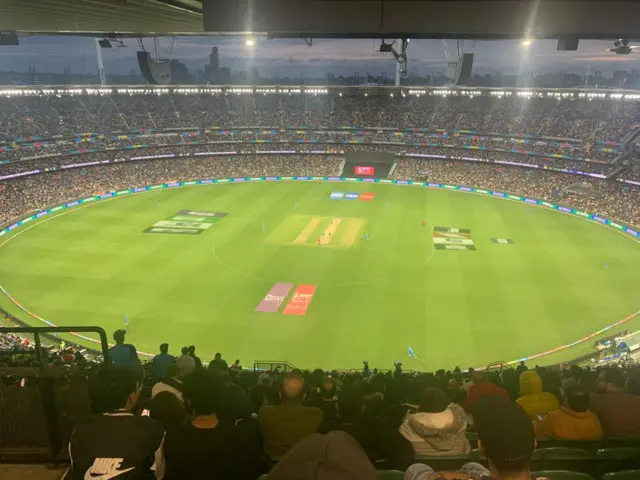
x=493 y=193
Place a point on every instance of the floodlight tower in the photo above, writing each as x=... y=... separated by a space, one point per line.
x=398 y=69
x=101 y=74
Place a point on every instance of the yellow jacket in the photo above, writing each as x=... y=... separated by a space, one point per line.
x=533 y=400
x=570 y=425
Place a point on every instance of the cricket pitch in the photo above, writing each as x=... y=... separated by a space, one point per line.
x=318 y=231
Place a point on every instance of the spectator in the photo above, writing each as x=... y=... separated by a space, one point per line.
x=324 y=398
x=438 y=429
x=218 y=364
x=534 y=401
x=116 y=442
x=161 y=361
x=185 y=362
x=206 y=444
x=505 y=437
x=481 y=387
x=234 y=405
x=335 y=456
x=617 y=409
x=171 y=383
x=286 y=424
x=234 y=409
x=633 y=383
x=236 y=366
x=380 y=441
x=123 y=354
x=192 y=353
x=259 y=391
x=166 y=409
x=574 y=421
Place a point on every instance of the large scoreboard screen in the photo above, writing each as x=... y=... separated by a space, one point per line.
x=358 y=170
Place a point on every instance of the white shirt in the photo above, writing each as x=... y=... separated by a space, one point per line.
x=163 y=387
x=186 y=364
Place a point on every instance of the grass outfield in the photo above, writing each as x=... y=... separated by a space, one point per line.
x=93 y=265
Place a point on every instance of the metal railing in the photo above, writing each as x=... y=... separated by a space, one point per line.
x=42 y=403
x=37 y=332
x=262 y=365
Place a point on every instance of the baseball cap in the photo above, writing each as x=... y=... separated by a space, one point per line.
x=334 y=456
x=506 y=433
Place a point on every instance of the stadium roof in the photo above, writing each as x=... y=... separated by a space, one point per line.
x=97 y=17
x=328 y=18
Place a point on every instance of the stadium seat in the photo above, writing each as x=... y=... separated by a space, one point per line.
x=611 y=442
x=390 y=475
x=618 y=459
x=450 y=463
x=619 y=453
x=382 y=475
x=561 y=475
x=588 y=445
x=476 y=455
x=560 y=453
x=473 y=439
x=625 y=475
x=563 y=459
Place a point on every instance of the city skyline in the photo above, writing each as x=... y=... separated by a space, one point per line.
x=293 y=58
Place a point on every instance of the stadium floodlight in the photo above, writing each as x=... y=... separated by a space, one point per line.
x=526 y=42
x=250 y=42
x=400 y=57
x=621 y=47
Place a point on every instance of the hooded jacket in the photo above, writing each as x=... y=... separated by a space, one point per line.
x=534 y=401
x=568 y=424
x=437 y=434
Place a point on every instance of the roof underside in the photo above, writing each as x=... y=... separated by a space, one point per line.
x=146 y=17
x=476 y=19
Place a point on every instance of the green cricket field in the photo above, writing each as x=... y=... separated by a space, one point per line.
x=282 y=271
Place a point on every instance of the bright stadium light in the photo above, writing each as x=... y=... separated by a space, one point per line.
x=250 y=42
x=526 y=43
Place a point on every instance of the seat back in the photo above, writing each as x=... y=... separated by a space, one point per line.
x=624 y=475
x=561 y=475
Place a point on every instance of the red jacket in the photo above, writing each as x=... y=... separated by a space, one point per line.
x=479 y=390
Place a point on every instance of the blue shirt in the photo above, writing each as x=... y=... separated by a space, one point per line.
x=124 y=355
x=160 y=363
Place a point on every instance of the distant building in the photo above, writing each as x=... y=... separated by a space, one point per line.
x=572 y=80
x=621 y=79
x=212 y=70
x=179 y=73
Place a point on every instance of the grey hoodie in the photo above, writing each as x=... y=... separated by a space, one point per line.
x=437 y=434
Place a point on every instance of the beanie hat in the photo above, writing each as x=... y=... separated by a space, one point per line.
x=505 y=431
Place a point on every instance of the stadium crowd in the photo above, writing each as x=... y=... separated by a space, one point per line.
x=33 y=164
x=609 y=198
x=65 y=114
x=34 y=193
x=235 y=423
x=14 y=151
